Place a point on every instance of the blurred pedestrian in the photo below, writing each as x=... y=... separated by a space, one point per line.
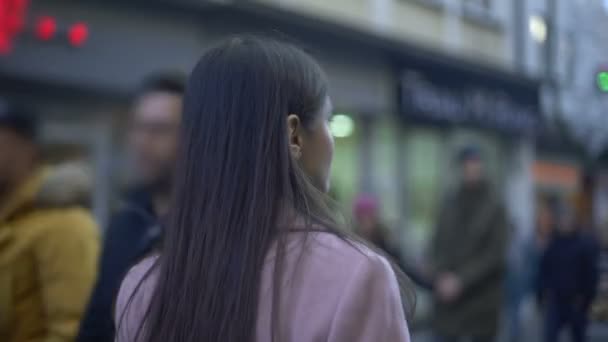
x=523 y=267
x=135 y=229
x=600 y=305
x=369 y=226
x=468 y=255
x=251 y=252
x=48 y=241
x=568 y=277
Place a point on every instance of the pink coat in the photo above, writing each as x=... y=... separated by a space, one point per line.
x=337 y=293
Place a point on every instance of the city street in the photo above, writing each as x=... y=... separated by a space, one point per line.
x=531 y=326
x=159 y=160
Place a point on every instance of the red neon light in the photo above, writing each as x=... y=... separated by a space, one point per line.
x=12 y=22
x=78 y=34
x=13 y=14
x=46 y=27
x=5 y=44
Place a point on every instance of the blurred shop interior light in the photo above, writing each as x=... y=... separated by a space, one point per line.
x=538 y=28
x=342 y=125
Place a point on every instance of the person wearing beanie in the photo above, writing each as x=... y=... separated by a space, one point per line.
x=568 y=275
x=468 y=257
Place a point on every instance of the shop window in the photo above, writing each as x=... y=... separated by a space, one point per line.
x=423 y=185
x=345 y=168
x=385 y=175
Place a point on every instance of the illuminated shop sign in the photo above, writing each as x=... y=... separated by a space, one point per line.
x=465 y=102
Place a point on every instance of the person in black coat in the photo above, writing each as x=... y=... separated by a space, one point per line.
x=135 y=229
x=567 y=277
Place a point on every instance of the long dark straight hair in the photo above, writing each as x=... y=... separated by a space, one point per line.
x=235 y=180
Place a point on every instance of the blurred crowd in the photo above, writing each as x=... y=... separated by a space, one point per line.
x=59 y=279
x=479 y=270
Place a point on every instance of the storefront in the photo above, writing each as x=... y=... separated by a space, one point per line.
x=444 y=108
x=558 y=166
x=82 y=93
x=402 y=110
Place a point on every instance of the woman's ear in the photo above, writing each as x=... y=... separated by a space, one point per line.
x=294 y=133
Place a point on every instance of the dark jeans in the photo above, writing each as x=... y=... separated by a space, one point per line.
x=484 y=338
x=560 y=315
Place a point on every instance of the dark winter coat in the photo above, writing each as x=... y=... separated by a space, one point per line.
x=471 y=241
x=133 y=232
x=568 y=271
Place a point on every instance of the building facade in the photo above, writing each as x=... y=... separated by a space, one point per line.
x=397 y=147
x=564 y=47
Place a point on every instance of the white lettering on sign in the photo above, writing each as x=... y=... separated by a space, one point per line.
x=478 y=105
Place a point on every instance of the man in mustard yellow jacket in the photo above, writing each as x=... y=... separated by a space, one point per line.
x=48 y=241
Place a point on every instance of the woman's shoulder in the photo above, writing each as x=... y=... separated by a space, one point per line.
x=343 y=248
x=351 y=277
x=134 y=297
x=344 y=257
x=140 y=276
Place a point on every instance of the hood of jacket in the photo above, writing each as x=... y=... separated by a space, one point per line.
x=65 y=185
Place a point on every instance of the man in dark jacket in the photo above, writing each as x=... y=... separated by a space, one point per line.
x=468 y=254
x=568 y=277
x=135 y=230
